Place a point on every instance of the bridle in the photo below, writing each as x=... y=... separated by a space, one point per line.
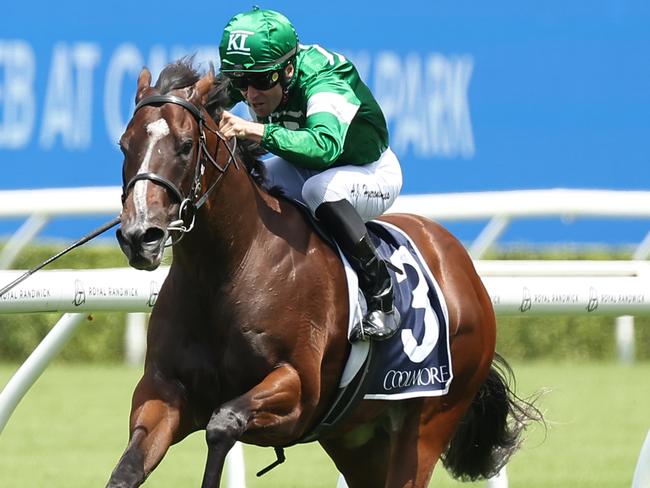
x=194 y=200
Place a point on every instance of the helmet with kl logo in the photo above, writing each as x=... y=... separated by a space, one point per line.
x=257 y=41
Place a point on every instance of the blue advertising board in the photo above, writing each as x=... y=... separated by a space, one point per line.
x=478 y=95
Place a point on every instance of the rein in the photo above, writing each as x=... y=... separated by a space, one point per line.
x=194 y=200
x=83 y=240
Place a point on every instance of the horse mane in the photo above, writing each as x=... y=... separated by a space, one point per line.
x=182 y=73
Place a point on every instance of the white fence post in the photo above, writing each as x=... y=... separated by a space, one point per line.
x=642 y=472
x=625 y=339
x=235 y=468
x=499 y=481
x=21 y=238
x=36 y=363
x=488 y=236
x=135 y=339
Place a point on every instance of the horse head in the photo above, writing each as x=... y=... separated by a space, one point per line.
x=167 y=145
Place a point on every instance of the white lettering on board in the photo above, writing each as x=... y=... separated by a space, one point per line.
x=67 y=110
x=17 y=100
x=424 y=96
x=125 y=61
x=122 y=72
x=425 y=101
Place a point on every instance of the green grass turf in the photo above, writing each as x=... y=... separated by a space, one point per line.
x=71 y=428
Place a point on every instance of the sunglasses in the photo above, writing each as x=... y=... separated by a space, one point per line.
x=260 y=81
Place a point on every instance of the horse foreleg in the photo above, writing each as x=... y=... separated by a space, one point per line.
x=155 y=419
x=273 y=402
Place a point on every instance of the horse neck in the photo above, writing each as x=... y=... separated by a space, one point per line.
x=225 y=227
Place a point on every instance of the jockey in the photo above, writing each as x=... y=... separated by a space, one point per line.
x=329 y=139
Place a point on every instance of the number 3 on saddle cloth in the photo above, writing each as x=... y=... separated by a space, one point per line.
x=416 y=361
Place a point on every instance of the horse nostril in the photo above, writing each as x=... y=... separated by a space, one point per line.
x=152 y=235
x=124 y=243
x=121 y=239
x=135 y=237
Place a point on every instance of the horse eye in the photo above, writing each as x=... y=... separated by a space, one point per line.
x=187 y=146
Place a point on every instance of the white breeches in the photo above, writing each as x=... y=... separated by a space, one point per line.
x=371 y=188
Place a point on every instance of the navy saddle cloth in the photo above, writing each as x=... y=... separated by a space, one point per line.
x=416 y=361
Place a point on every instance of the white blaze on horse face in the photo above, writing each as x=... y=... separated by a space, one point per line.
x=156 y=130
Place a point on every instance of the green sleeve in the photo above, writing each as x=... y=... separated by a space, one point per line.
x=315 y=147
x=331 y=106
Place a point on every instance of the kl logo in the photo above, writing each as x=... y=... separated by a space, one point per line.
x=237 y=42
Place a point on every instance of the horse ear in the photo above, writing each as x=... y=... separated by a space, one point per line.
x=203 y=87
x=144 y=82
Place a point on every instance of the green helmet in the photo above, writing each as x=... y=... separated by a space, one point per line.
x=256 y=41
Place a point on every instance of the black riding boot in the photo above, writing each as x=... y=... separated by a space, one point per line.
x=348 y=229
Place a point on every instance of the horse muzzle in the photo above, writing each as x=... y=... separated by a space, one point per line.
x=142 y=245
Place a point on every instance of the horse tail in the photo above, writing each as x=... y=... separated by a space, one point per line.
x=490 y=432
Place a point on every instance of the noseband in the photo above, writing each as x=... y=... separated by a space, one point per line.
x=193 y=201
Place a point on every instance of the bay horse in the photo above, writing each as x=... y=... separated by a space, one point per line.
x=248 y=337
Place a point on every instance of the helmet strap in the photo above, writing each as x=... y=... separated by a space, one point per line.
x=285 y=96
